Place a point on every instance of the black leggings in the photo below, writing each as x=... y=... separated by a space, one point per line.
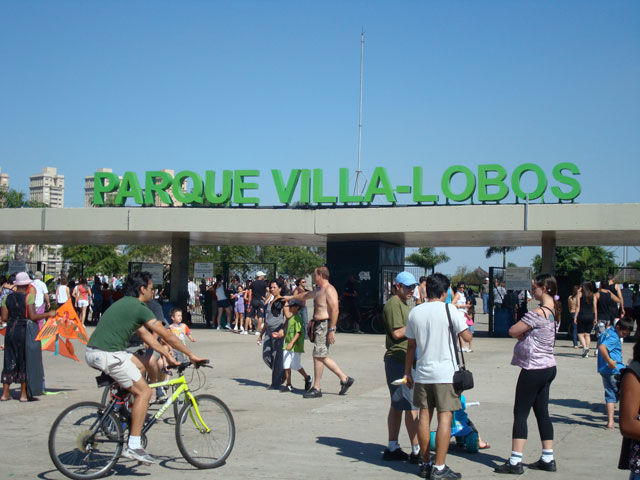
x=532 y=390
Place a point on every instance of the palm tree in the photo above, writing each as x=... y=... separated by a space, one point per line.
x=491 y=251
x=592 y=262
x=427 y=257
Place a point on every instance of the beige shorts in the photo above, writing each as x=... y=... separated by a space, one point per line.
x=118 y=365
x=320 y=342
x=440 y=396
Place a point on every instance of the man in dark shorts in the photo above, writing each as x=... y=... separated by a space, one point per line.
x=258 y=292
x=106 y=351
x=395 y=314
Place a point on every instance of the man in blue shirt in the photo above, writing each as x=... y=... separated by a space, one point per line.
x=610 y=362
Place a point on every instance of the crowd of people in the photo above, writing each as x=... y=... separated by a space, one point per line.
x=424 y=334
x=421 y=365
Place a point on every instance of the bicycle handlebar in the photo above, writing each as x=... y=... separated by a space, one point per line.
x=187 y=364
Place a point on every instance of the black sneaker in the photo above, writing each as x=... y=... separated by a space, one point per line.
x=313 y=393
x=508 y=468
x=397 y=454
x=307 y=383
x=415 y=459
x=542 y=465
x=446 y=472
x=286 y=388
x=425 y=470
x=346 y=385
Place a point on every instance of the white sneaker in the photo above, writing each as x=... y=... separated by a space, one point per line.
x=257 y=333
x=218 y=327
x=243 y=333
x=235 y=329
x=227 y=327
x=138 y=454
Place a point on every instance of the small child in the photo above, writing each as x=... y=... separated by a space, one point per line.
x=610 y=362
x=180 y=330
x=294 y=346
x=239 y=308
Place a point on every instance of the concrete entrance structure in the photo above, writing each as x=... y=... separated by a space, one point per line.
x=545 y=225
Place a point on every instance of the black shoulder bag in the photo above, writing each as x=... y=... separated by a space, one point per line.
x=462 y=378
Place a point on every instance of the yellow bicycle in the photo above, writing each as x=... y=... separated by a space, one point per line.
x=87 y=438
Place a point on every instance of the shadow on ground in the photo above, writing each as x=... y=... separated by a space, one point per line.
x=364 y=452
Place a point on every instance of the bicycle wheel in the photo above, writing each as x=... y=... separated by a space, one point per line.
x=179 y=403
x=76 y=450
x=377 y=323
x=200 y=448
x=345 y=323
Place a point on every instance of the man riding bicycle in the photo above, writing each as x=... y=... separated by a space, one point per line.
x=106 y=351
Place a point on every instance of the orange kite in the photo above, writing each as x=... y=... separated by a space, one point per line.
x=65 y=324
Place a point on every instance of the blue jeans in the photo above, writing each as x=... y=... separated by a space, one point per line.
x=485 y=302
x=574 y=334
x=634 y=476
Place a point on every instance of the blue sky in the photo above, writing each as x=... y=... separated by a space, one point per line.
x=203 y=85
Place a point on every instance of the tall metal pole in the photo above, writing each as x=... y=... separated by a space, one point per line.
x=356 y=190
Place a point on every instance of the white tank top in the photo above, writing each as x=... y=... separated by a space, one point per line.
x=220 y=295
x=62 y=295
x=462 y=300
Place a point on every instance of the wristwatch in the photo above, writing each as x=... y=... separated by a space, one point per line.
x=332 y=329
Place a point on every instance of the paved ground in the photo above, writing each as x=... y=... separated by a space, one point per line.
x=285 y=436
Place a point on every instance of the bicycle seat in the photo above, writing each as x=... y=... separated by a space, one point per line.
x=104 y=380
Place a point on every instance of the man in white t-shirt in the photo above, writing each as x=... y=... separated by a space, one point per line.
x=429 y=335
x=42 y=294
x=192 y=288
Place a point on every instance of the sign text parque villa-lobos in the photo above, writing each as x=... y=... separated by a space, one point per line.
x=490 y=183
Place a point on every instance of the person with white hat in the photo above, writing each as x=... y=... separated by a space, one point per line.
x=22 y=354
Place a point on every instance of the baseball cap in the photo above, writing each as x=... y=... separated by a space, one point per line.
x=260 y=273
x=406 y=278
x=38 y=275
x=22 y=278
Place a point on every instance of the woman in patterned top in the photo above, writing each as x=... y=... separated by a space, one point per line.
x=630 y=411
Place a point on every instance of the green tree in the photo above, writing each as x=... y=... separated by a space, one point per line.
x=593 y=262
x=96 y=259
x=148 y=253
x=491 y=251
x=428 y=258
x=15 y=199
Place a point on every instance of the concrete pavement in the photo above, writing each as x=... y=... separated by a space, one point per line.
x=282 y=435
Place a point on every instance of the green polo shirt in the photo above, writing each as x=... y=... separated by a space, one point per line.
x=117 y=324
x=395 y=315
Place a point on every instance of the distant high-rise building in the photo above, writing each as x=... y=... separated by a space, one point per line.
x=158 y=202
x=4 y=180
x=47 y=187
x=88 y=188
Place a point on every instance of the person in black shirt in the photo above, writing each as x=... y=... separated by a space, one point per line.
x=258 y=293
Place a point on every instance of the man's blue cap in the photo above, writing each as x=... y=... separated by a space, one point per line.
x=406 y=278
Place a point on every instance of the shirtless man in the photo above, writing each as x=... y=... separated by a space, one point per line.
x=325 y=317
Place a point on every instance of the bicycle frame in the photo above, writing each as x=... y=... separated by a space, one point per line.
x=183 y=388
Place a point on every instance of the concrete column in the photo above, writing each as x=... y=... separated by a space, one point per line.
x=179 y=270
x=549 y=253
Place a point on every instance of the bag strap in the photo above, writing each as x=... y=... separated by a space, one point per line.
x=453 y=339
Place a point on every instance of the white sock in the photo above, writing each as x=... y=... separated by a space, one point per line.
x=439 y=467
x=393 y=445
x=547 y=455
x=415 y=449
x=515 y=458
x=134 y=442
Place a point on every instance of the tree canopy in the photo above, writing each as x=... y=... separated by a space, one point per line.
x=428 y=258
x=491 y=251
x=593 y=262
